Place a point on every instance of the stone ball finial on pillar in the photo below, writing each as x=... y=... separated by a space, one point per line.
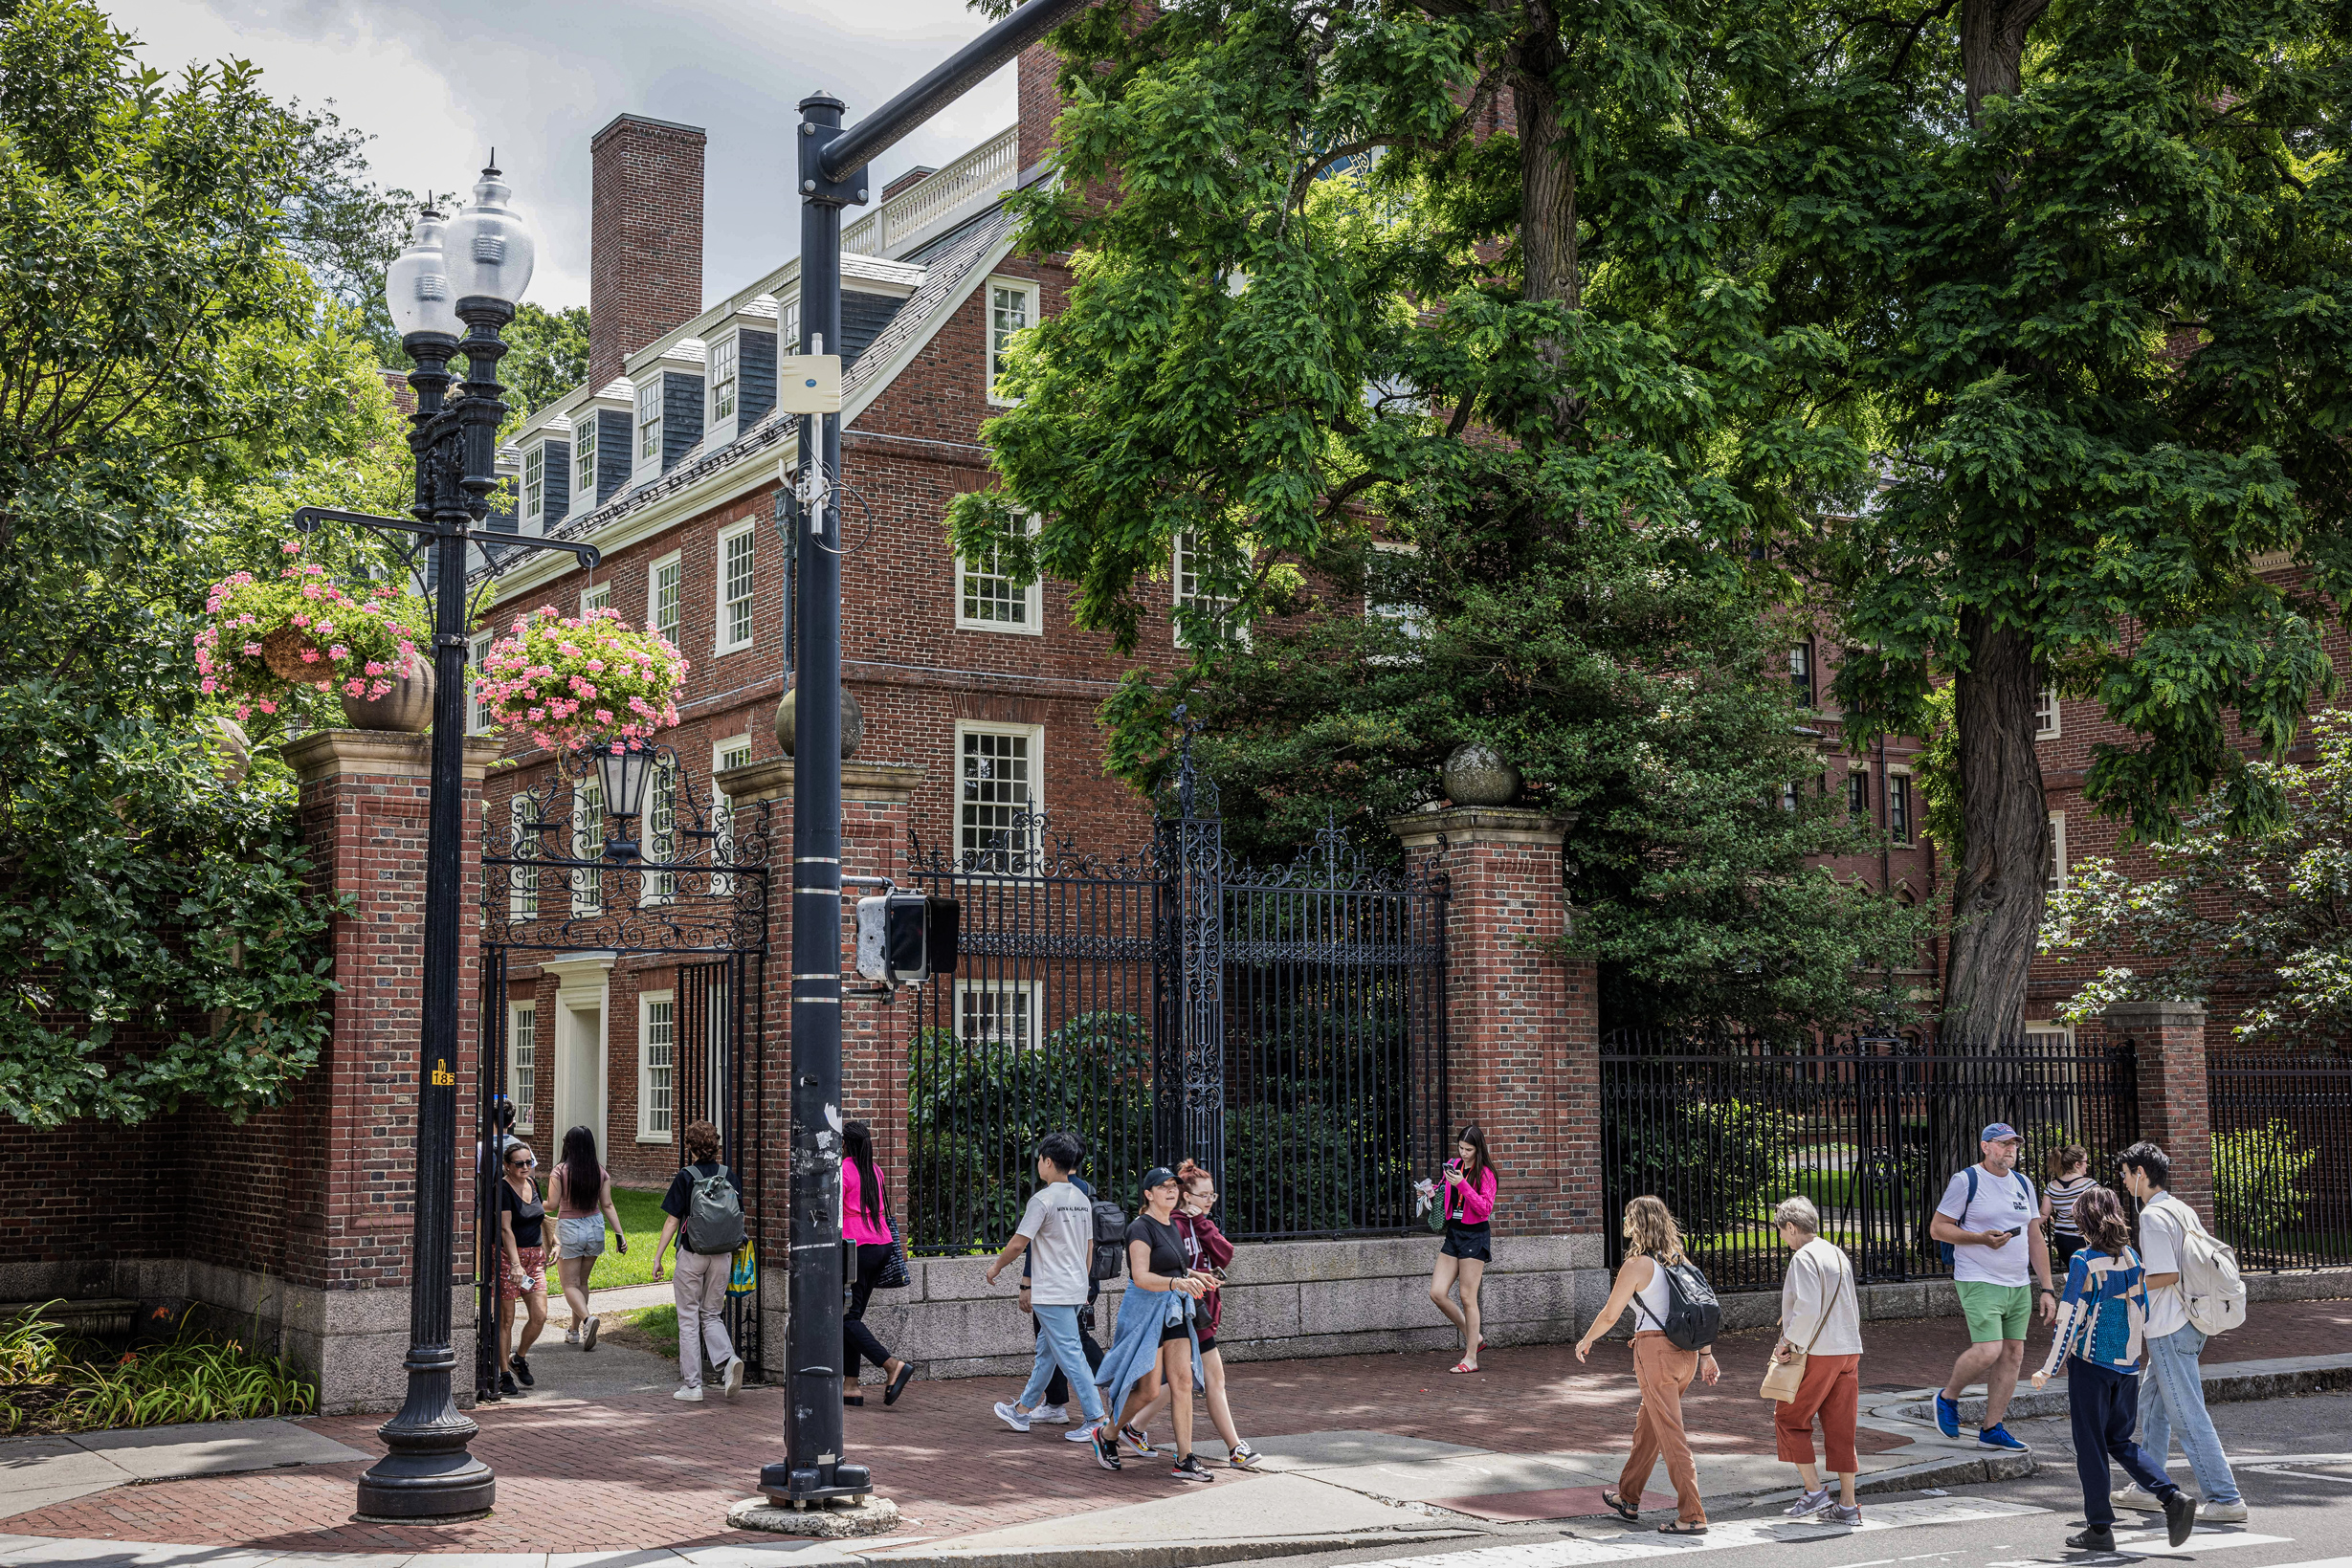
x=1476 y=773
x=852 y=723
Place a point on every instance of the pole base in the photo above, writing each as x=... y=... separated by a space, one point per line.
x=836 y=1519
x=447 y=1487
x=783 y=1484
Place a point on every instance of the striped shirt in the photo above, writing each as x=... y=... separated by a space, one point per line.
x=2062 y=1197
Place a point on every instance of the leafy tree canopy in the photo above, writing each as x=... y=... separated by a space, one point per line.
x=2263 y=916
x=171 y=379
x=547 y=356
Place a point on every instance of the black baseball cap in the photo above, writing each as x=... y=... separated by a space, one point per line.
x=1156 y=1176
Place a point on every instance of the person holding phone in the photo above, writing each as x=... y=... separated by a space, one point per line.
x=1469 y=1200
x=1985 y=1210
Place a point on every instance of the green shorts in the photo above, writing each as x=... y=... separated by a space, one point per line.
x=1995 y=1311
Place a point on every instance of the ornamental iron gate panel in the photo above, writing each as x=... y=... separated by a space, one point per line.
x=699 y=896
x=1871 y=1128
x=1286 y=1028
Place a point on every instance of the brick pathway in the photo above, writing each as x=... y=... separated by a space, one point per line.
x=644 y=1470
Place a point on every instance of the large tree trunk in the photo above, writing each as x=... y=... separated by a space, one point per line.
x=1997 y=906
x=1993 y=47
x=1546 y=178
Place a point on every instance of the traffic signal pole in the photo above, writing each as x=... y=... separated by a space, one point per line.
x=831 y=166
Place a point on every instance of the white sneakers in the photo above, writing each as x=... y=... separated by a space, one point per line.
x=2146 y=1501
x=1053 y=1415
x=588 y=1333
x=691 y=1393
x=571 y=1336
x=2139 y=1497
x=1013 y=1416
x=734 y=1374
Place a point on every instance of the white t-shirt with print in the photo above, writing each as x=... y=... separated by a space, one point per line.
x=1059 y=1224
x=2002 y=1203
x=2162 y=1223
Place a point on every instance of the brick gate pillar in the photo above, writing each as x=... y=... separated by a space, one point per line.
x=875 y=815
x=2167 y=1039
x=363 y=812
x=1523 y=1031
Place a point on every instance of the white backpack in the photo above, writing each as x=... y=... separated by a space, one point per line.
x=2210 y=1286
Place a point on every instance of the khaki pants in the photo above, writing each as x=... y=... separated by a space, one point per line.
x=700 y=1287
x=1662 y=1373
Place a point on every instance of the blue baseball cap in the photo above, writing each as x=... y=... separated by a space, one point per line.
x=2000 y=1131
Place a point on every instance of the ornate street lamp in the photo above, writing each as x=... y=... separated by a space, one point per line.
x=465 y=275
x=626 y=768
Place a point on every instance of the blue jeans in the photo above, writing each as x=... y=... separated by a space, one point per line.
x=2170 y=1390
x=1057 y=1346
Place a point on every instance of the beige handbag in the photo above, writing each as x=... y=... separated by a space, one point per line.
x=1783 y=1379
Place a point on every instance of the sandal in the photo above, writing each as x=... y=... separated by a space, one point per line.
x=1618 y=1506
x=897 y=1384
x=1461 y=1366
x=854 y=1399
x=1675 y=1527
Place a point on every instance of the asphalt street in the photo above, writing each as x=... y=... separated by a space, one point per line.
x=2292 y=1459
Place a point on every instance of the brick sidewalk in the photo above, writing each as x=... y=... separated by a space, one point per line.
x=644 y=1470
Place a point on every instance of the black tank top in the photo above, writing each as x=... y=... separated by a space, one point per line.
x=530 y=1218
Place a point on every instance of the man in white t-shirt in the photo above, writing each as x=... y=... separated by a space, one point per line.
x=1990 y=1217
x=2171 y=1389
x=1057 y=1231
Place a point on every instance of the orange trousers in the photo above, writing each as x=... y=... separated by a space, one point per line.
x=1662 y=1372
x=1832 y=1388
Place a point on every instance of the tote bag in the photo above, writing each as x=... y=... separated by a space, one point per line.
x=1783 y=1379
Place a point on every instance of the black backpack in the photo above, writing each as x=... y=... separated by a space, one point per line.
x=1110 y=1241
x=1694 y=1318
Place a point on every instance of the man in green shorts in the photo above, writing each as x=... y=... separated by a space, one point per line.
x=1991 y=1219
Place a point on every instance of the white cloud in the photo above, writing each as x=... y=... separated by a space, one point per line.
x=439 y=82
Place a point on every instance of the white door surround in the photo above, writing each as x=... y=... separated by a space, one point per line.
x=579 y=1042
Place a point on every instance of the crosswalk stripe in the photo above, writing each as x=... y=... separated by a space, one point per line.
x=2155 y=1544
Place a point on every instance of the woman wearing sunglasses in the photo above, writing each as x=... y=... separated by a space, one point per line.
x=522 y=1265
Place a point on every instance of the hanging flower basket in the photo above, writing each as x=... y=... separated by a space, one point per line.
x=263 y=638
x=572 y=682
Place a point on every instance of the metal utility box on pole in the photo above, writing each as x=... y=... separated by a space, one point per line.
x=830 y=171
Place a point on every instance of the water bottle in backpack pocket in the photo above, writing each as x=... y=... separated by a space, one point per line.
x=1694 y=1318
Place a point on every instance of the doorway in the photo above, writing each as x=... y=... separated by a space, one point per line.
x=578 y=1069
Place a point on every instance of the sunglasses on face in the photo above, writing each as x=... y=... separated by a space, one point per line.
x=522 y=1165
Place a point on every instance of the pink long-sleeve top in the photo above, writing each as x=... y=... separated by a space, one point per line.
x=854 y=1226
x=1473 y=1204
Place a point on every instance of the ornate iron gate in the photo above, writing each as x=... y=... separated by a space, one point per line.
x=697 y=893
x=1286 y=1028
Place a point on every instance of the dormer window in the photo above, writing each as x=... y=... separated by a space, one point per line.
x=584 y=456
x=534 y=490
x=649 y=418
x=722 y=374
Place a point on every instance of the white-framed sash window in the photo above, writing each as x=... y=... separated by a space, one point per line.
x=1013 y=309
x=999 y=792
x=738 y=548
x=657 y=1064
x=523 y=1060
x=664 y=581
x=1007 y=1012
x=989 y=598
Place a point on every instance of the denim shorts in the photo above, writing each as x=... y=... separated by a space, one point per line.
x=582 y=1238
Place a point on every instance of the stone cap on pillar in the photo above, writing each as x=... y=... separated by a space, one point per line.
x=1459 y=824
x=889 y=783
x=328 y=754
x=2156 y=1013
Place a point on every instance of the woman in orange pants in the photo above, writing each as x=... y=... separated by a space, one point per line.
x=1821 y=1319
x=1660 y=1369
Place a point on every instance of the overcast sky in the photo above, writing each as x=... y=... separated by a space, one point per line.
x=439 y=82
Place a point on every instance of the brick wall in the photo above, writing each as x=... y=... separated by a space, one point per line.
x=645 y=238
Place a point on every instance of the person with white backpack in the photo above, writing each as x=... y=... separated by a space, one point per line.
x=2194 y=1292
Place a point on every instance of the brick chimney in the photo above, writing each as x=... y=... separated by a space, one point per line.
x=645 y=238
x=1040 y=101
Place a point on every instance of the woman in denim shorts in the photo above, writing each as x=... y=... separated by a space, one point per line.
x=582 y=1193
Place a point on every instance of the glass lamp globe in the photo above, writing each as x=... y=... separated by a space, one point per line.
x=625 y=768
x=416 y=286
x=489 y=246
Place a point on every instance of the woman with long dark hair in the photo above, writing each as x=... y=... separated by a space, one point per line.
x=865 y=1219
x=1469 y=1200
x=582 y=1192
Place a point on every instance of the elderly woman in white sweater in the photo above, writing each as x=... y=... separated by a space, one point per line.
x=1821 y=1320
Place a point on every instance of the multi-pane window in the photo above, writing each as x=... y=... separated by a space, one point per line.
x=649 y=418
x=656 y=1055
x=996 y=797
x=599 y=597
x=989 y=598
x=727 y=754
x=734 y=562
x=997 y=1011
x=523 y=1060
x=1013 y=307
x=525 y=846
x=723 y=378
x=534 y=488
x=787 y=324
x=1190 y=569
x=1381 y=599
x=1858 y=794
x=2046 y=714
x=478 y=711
x=2053 y=861
x=584 y=459
x=1800 y=673
x=661 y=833
x=588 y=843
x=661 y=596
x=1898 y=808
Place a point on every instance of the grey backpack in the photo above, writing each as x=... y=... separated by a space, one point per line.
x=714 y=1214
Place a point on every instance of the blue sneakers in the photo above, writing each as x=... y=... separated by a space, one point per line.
x=1997 y=1436
x=1947 y=1416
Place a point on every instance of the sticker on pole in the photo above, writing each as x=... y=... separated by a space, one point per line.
x=808 y=383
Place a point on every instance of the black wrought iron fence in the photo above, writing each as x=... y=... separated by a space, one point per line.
x=1871 y=1128
x=2282 y=1157
x=1286 y=1028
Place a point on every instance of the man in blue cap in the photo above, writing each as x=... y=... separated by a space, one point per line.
x=1988 y=1219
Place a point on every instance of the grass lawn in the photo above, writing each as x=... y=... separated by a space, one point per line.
x=647 y=1328
x=641 y=1217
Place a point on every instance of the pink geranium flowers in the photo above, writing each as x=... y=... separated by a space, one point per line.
x=324 y=636
x=577 y=681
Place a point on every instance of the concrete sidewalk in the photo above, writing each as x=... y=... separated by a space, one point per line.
x=1379 y=1449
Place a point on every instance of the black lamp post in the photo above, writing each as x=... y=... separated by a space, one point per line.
x=464 y=276
x=832 y=174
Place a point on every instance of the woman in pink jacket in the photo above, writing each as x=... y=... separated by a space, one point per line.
x=1469 y=1199
x=865 y=1221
